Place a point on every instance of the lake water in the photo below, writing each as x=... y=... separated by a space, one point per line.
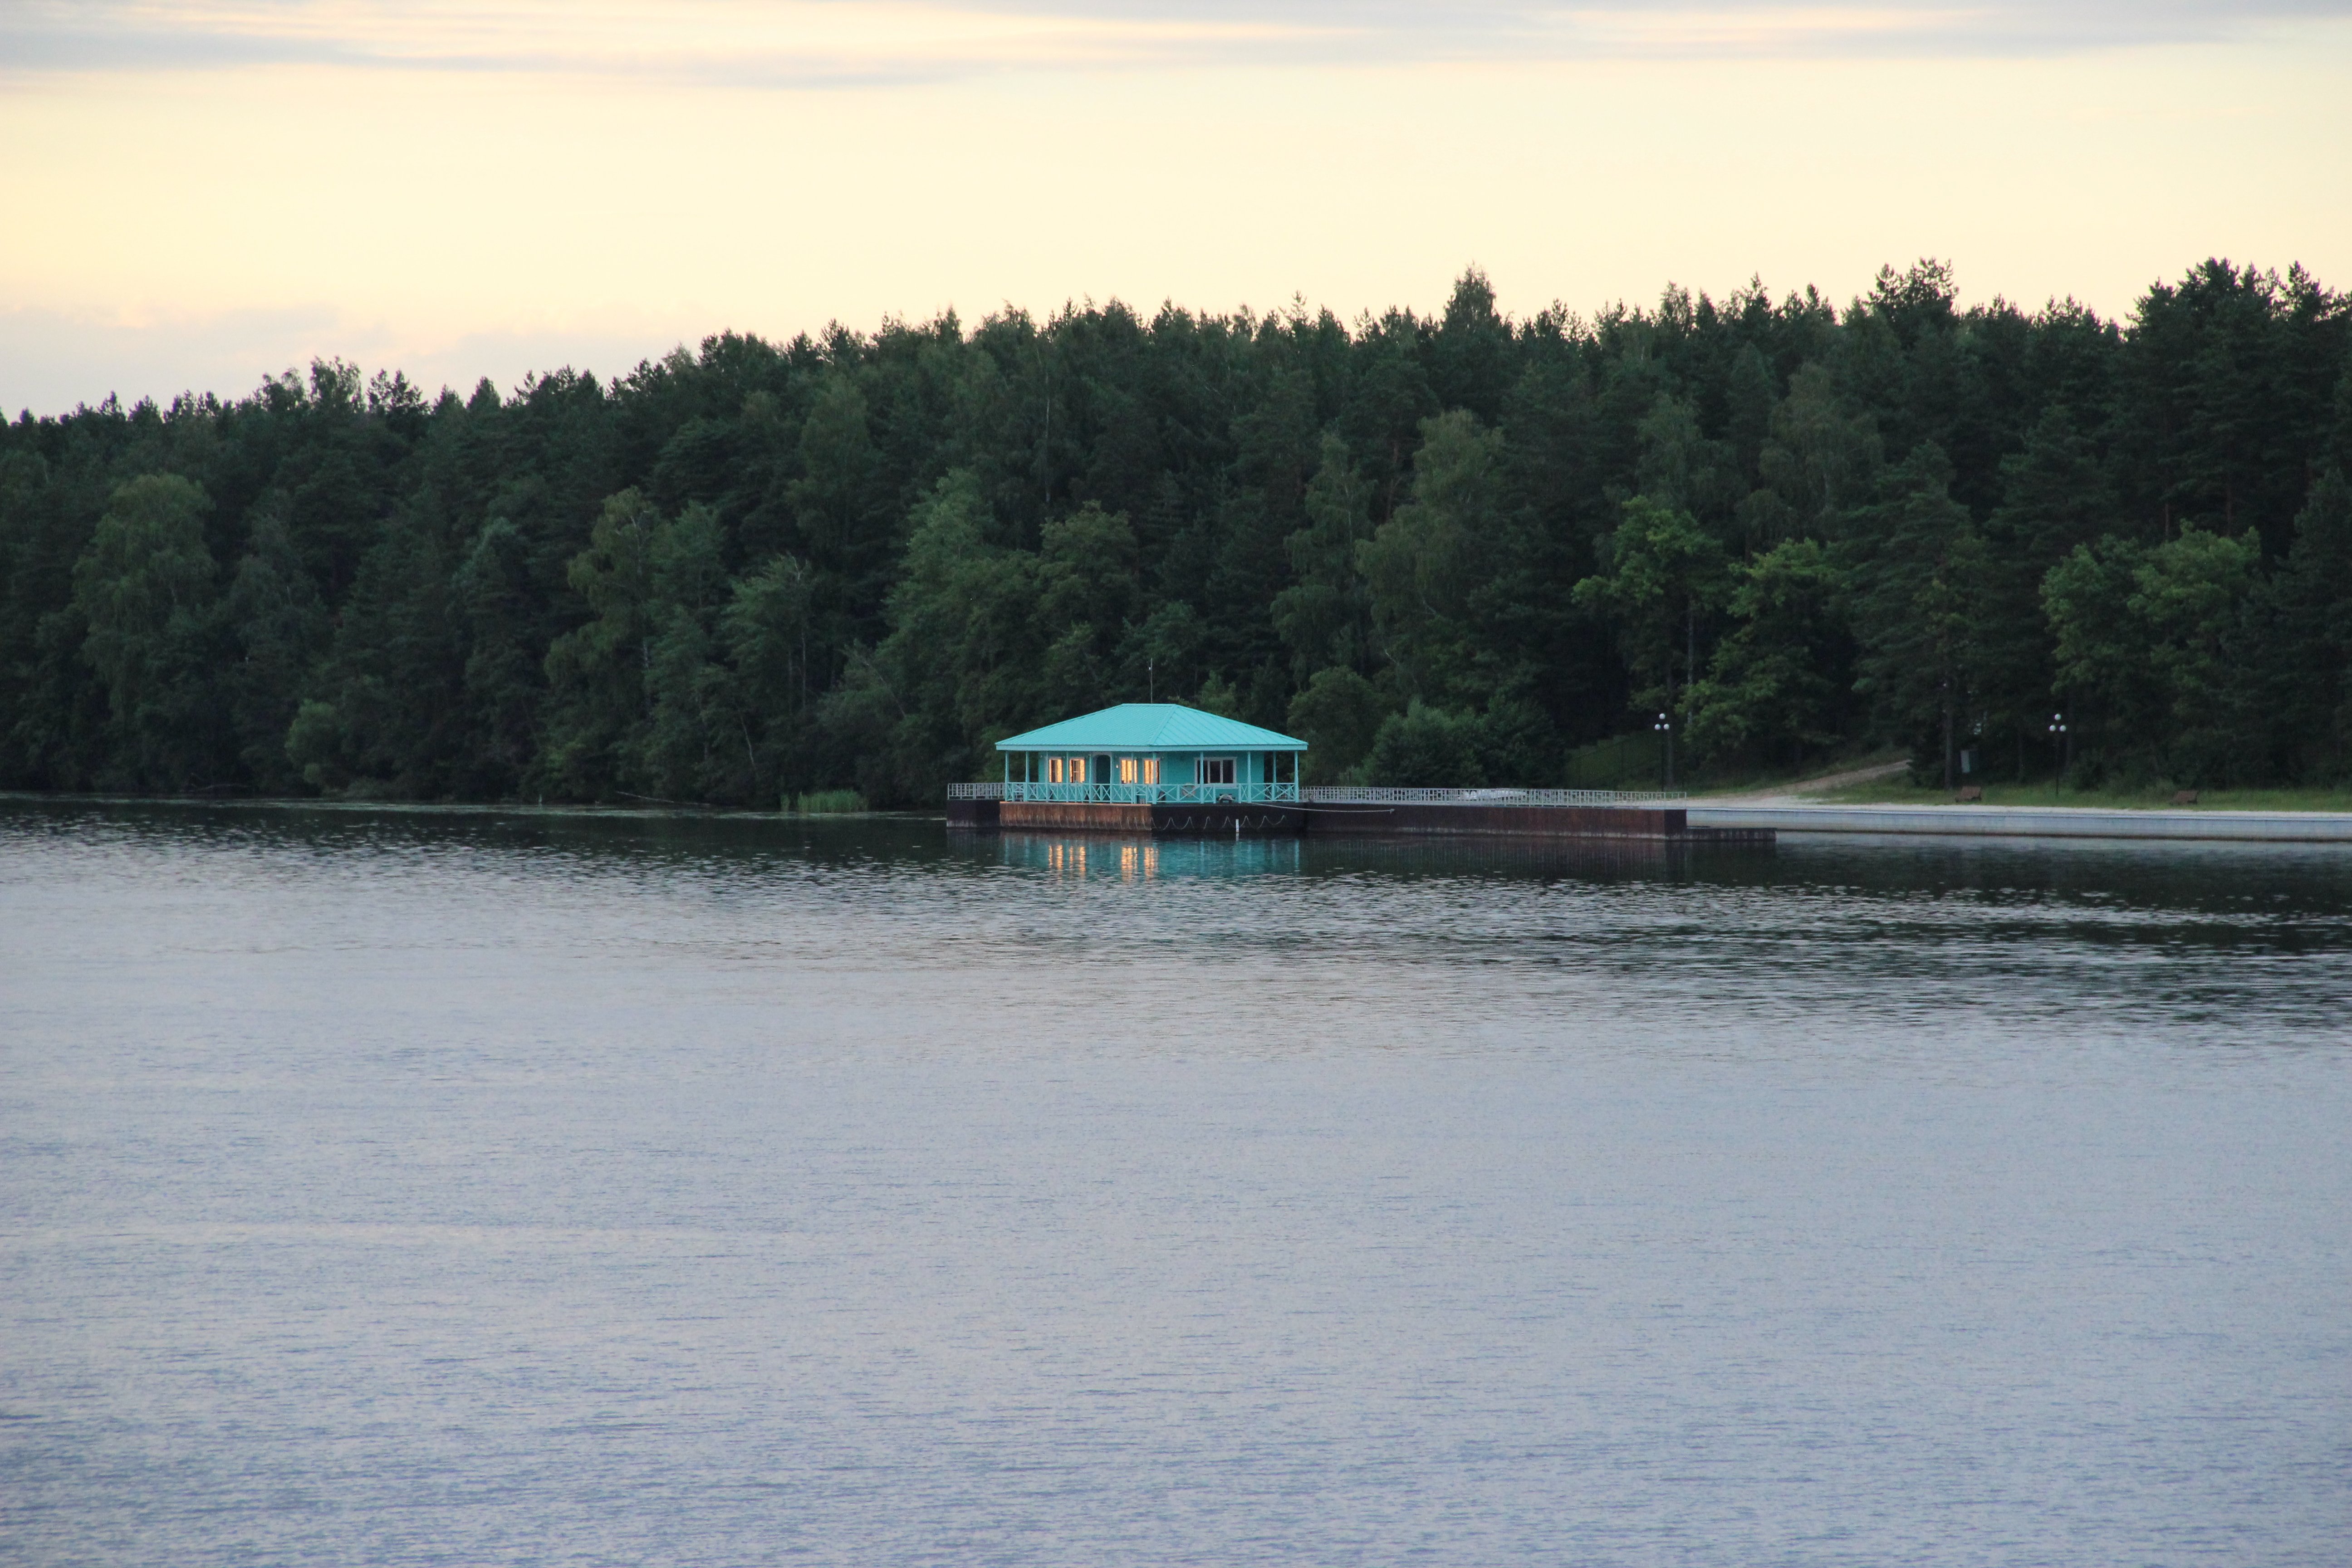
x=443 y=1187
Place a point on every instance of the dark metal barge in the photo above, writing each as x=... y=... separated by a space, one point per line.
x=1337 y=812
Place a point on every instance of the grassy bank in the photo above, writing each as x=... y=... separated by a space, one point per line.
x=825 y=802
x=1899 y=792
x=1819 y=775
x=1637 y=762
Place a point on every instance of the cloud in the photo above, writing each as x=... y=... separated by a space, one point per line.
x=51 y=361
x=804 y=43
x=787 y=43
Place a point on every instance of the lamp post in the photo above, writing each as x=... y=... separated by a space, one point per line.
x=2059 y=745
x=1666 y=727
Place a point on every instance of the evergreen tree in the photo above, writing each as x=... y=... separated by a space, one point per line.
x=2055 y=496
x=1666 y=574
x=2104 y=682
x=1775 y=686
x=1914 y=565
x=1422 y=567
x=146 y=590
x=747 y=568
x=597 y=700
x=279 y=625
x=2310 y=664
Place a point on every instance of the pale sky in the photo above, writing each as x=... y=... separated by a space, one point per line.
x=201 y=194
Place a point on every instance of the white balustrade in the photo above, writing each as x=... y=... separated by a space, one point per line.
x=1389 y=795
x=1130 y=794
x=1313 y=794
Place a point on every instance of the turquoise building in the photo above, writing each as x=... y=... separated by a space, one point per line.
x=1153 y=753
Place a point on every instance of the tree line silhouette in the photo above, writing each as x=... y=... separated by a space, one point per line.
x=1447 y=550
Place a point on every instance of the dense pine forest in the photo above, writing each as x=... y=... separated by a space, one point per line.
x=1448 y=550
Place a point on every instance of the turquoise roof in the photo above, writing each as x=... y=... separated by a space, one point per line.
x=1151 y=726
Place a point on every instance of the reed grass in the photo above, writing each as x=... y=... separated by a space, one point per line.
x=825 y=802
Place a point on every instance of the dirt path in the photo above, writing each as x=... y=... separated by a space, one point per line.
x=1805 y=789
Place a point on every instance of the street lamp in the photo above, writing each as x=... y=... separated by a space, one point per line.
x=1666 y=727
x=2059 y=744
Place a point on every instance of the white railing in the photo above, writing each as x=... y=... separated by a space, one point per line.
x=1313 y=794
x=1129 y=794
x=1385 y=795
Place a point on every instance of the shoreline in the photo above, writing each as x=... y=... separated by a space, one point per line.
x=2033 y=822
x=2208 y=823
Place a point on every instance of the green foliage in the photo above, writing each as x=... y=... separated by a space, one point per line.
x=1818 y=463
x=279 y=625
x=826 y=803
x=1457 y=544
x=965 y=648
x=1635 y=760
x=597 y=701
x=1776 y=685
x=505 y=677
x=1325 y=617
x=689 y=748
x=2308 y=668
x=2191 y=599
x=1915 y=564
x=765 y=630
x=2104 y=679
x=1217 y=696
x=1337 y=715
x=1664 y=573
x=2054 y=497
x=1422 y=567
x=2154 y=648
x=1428 y=748
x=146 y=589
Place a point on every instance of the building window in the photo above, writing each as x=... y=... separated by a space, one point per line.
x=1216 y=770
x=1077 y=770
x=1151 y=770
x=1127 y=770
x=1052 y=770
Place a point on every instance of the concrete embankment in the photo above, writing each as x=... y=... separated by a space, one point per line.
x=2034 y=822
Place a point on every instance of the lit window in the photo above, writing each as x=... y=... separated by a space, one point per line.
x=1216 y=770
x=1127 y=770
x=1054 y=770
x=1151 y=770
x=1077 y=770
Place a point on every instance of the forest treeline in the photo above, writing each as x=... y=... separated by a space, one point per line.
x=1444 y=550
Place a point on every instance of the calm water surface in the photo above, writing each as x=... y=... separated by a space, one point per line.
x=433 y=1187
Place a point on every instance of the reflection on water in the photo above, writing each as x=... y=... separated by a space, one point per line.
x=409 y=1185
x=1144 y=860
x=1130 y=859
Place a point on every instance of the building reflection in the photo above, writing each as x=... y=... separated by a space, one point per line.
x=1144 y=859
x=1078 y=857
